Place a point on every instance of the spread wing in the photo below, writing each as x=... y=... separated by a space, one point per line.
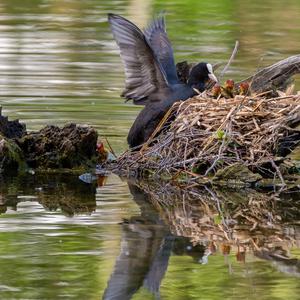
x=144 y=74
x=157 y=37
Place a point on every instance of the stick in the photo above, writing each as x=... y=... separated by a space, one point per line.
x=278 y=172
x=111 y=149
x=230 y=60
x=157 y=129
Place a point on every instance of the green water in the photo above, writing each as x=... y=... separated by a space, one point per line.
x=63 y=239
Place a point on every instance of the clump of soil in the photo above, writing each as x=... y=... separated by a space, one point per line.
x=53 y=147
x=11 y=129
x=72 y=146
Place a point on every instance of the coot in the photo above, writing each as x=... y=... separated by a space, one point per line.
x=151 y=78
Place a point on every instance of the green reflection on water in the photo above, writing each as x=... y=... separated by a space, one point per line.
x=47 y=255
x=255 y=280
x=45 y=267
x=59 y=63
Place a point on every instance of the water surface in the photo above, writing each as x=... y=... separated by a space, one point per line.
x=62 y=238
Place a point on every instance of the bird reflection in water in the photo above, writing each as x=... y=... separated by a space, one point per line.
x=145 y=250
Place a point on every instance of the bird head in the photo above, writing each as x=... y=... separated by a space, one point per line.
x=216 y=90
x=229 y=85
x=244 y=88
x=182 y=69
x=200 y=74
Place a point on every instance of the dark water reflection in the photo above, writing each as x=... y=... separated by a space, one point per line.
x=158 y=241
x=48 y=254
x=62 y=238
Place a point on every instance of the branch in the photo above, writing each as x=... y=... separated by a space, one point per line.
x=274 y=77
x=230 y=60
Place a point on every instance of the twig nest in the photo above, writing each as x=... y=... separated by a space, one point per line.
x=207 y=134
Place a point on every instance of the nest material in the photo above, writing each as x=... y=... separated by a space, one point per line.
x=202 y=135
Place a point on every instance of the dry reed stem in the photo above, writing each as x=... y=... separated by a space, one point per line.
x=212 y=133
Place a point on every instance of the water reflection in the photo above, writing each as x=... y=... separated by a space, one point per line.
x=146 y=246
x=75 y=197
x=201 y=223
x=163 y=241
x=259 y=221
x=60 y=238
x=145 y=250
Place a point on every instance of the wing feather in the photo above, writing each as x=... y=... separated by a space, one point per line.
x=157 y=37
x=144 y=74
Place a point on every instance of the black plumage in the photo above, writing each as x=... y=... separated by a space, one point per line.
x=151 y=77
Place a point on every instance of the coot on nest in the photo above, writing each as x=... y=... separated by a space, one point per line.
x=150 y=71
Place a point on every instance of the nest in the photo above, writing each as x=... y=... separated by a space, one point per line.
x=202 y=135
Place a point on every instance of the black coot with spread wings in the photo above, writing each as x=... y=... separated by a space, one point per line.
x=150 y=72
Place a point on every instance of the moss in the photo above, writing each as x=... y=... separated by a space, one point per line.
x=75 y=171
x=295 y=155
x=11 y=156
x=236 y=173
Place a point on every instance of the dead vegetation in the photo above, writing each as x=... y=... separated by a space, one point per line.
x=203 y=135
